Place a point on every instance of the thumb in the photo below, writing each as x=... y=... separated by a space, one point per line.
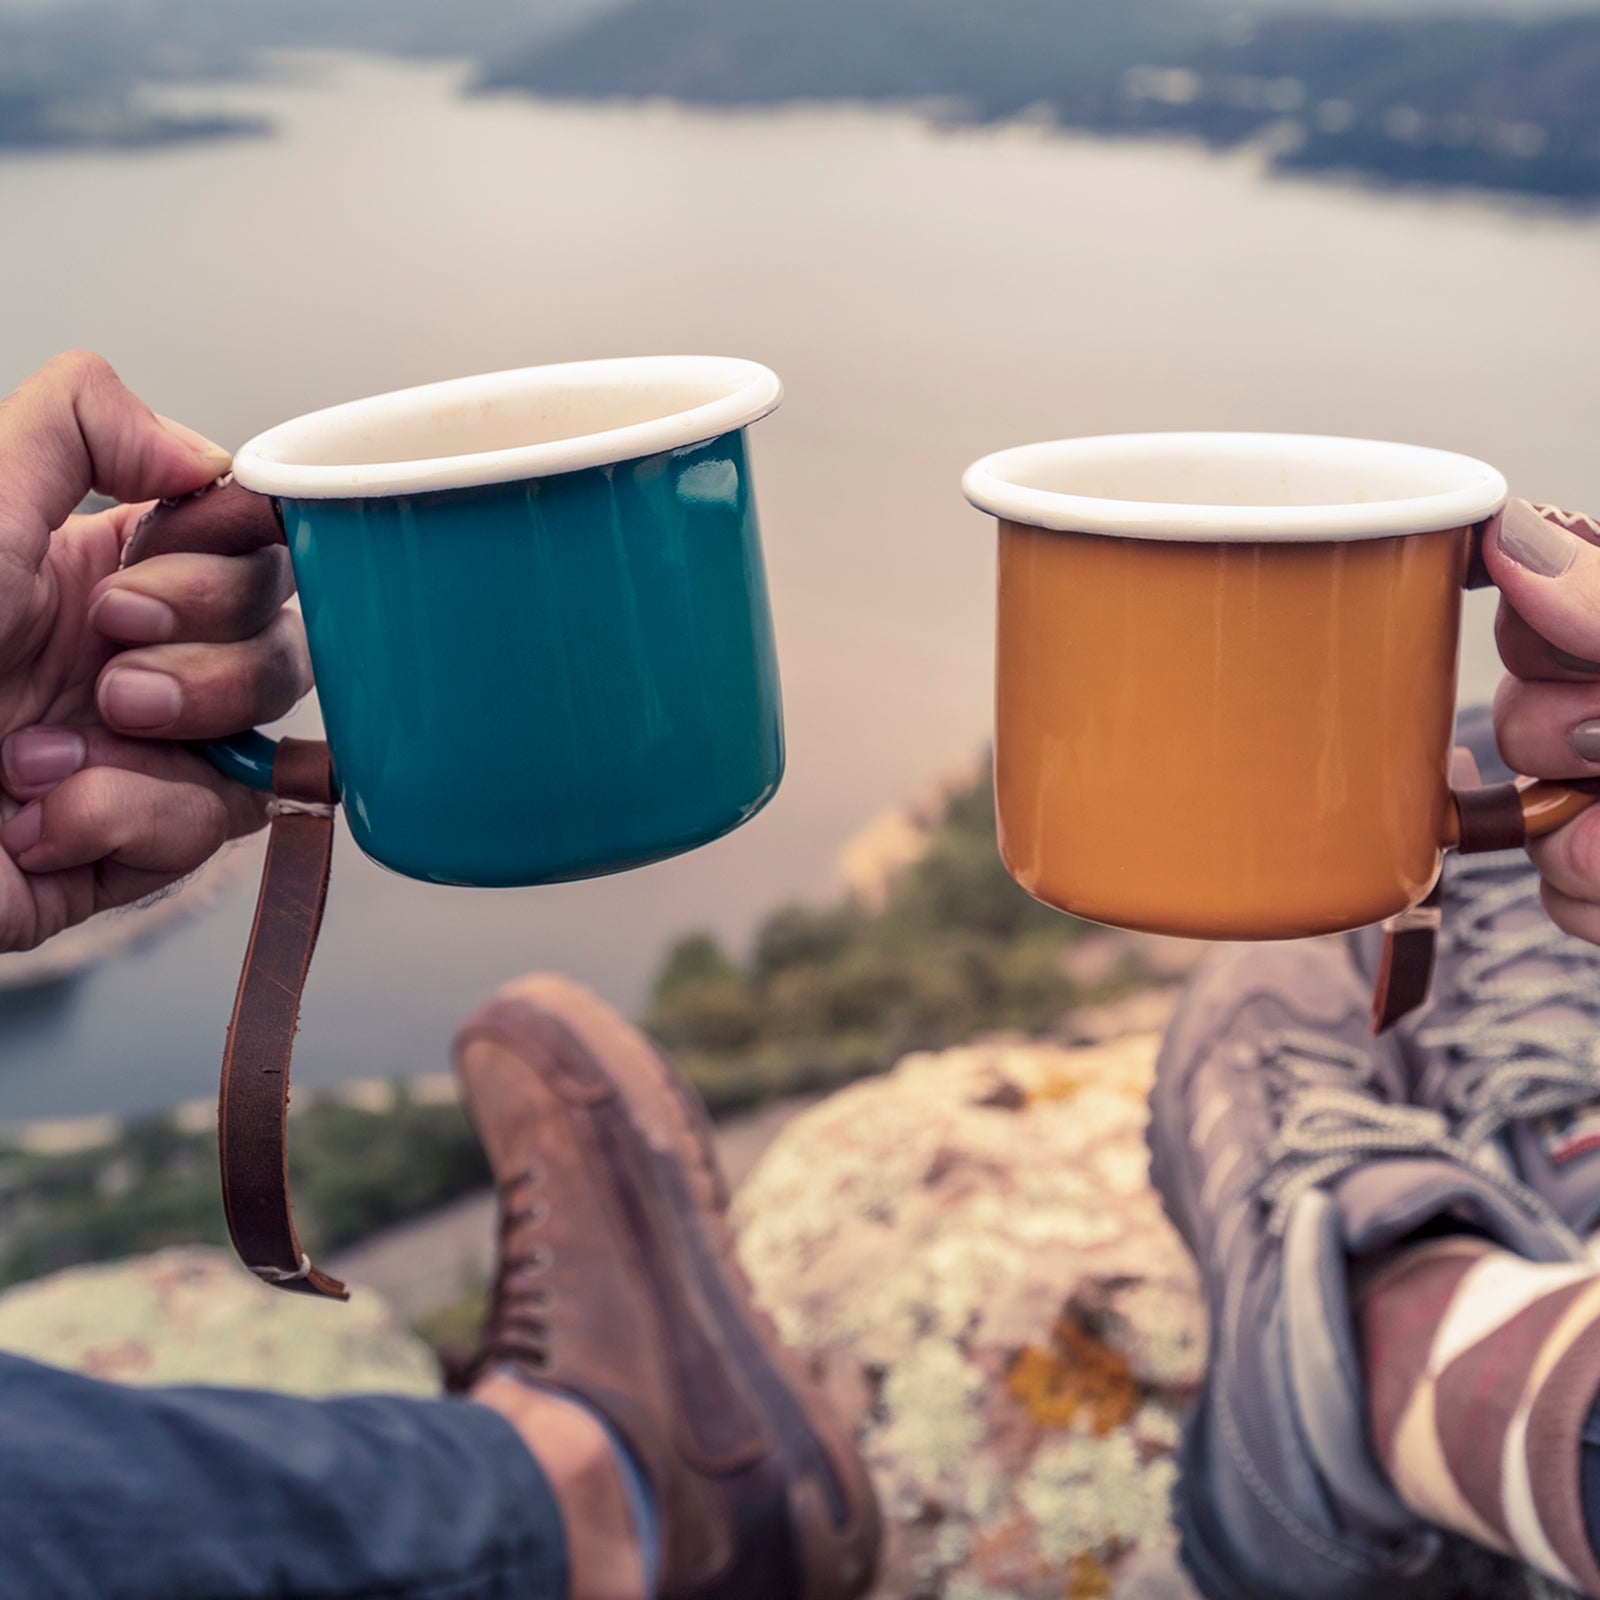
x=1547 y=565
x=73 y=427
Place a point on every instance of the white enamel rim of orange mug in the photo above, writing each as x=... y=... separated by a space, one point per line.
x=1326 y=489
x=1330 y=488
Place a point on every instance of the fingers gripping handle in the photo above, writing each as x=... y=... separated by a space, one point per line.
x=1504 y=816
x=252 y=1110
x=223 y=519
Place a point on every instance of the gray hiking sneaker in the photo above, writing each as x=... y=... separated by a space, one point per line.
x=1508 y=1045
x=1284 y=1150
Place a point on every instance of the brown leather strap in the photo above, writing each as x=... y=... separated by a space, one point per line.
x=1405 y=969
x=223 y=519
x=1477 y=568
x=253 y=1107
x=253 y=1110
x=1491 y=819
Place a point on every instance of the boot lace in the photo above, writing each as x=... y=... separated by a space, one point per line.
x=516 y=1328
x=1510 y=1065
x=1335 y=1114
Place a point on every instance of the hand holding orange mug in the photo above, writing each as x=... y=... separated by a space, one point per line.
x=1547 y=712
x=1226 y=679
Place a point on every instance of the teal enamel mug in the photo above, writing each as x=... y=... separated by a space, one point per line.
x=537 y=613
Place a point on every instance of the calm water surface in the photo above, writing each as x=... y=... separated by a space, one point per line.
x=926 y=298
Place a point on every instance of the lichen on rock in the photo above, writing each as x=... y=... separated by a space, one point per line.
x=970 y=1253
x=194 y=1315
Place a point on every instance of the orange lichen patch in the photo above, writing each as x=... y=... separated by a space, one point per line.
x=1076 y=1377
x=1087 y=1579
x=1058 y=1081
x=1055 y=1083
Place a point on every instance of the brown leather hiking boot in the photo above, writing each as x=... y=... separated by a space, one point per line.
x=618 y=1285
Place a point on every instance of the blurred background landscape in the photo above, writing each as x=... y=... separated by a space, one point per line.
x=951 y=225
x=1497 y=96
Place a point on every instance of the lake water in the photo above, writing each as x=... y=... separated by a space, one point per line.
x=927 y=297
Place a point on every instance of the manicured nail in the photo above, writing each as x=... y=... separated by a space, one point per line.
x=133 y=618
x=133 y=697
x=22 y=832
x=1534 y=543
x=38 y=758
x=1586 y=741
x=1575 y=663
x=212 y=454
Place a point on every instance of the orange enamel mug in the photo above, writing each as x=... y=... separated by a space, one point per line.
x=1226 y=678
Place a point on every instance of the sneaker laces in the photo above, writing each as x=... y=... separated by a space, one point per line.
x=1510 y=1065
x=1339 y=1116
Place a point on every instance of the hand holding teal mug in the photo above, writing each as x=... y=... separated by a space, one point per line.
x=537 y=613
x=541 y=638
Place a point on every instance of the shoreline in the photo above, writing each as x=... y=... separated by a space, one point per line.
x=1266 y=150
x=77 y=951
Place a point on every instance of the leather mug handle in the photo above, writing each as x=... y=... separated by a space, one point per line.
x=1496 y=816
x=1504 y=816
x=253 y=1102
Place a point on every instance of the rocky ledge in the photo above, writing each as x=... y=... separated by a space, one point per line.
x=194 y=1315
x=969 y=1252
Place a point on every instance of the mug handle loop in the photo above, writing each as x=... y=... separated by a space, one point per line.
x=247 y=758
x=1492 y=816
x=1504 y=816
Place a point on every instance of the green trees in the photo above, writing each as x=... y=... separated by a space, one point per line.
x=830 y=992
x=827 y=994
x=354 y=1171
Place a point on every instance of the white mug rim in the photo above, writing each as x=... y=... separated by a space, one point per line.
x=1471 y=490
x=268 y=463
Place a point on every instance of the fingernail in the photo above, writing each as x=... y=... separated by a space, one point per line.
x=1586 y=741
x=1534 y=543
x=37 y=757
x=1575 y=663
x=210 y=452
x=22 y=832
x=133 y=618
x=133 y=697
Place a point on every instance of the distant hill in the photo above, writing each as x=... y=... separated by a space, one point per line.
x=66 y=78
x=1444 y=101
x=1497 y=94
x=1490 y=101
x=1523 y=9
x=69 y=68
x=997 y=55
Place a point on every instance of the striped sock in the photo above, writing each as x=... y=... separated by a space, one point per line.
x=1482 y=1370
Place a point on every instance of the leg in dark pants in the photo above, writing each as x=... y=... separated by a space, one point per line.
x=109 y=1493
